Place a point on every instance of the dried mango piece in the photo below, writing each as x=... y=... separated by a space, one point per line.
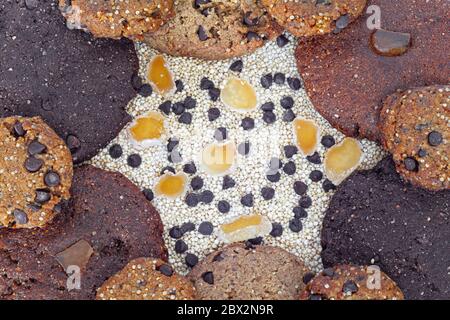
x=219 y=158
x=160 y=76
x=390 y=43
x=239 y=95
x=171 y=185
x=147 y=130
x=244 y=228
x=307 y=133
x=342 y=159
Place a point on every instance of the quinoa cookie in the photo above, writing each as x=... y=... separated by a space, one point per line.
x=146 y=279
x=35 y=172
x=107 y=223
x=347 y=79
x=240 y=272
x=415 y=129
x=117 y=18
x=375 y=218
x=314 y=17
x=78 y=85
x=214 y=29
x=348 y=282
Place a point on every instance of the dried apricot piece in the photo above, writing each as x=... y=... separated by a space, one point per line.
x=147 y=130
x=219 y=158
x=160 y=76
x=342 y=159
x=390 y=43
x=171 y=185
x=239 y=95
x=307 y=133
x=244 y=228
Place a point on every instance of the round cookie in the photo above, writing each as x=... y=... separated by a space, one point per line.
x=347 y=80
x=237 y=272
x=35 y=172
x=214 y=29
x=106 y=223
x=375 y=218
x=116 y=19
x=146 y=279
x=78 y=85
x=415 y=129
x=314 y=17
x=348 y=282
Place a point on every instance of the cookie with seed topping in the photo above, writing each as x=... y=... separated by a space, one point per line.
x=240 y=272
x=314 y=17
x=116 y=19
x=146 y=279
x=214 y=29
x=36 y=172
x=349 y=282
x=414 y=128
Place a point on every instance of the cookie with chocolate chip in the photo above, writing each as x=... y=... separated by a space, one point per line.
x=116 y=19
x=78 y=85
x=214 y=29
x=146 y=279
x=106 y=223
x=348 y=282
x=314 y=17
x=415 y=128
x=35 y=172
x=247 y=272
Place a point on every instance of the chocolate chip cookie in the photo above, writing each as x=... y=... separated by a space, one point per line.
x=314 y=17
x=78 y=85
x=240 y=272
x=375 y=218
x=35 y=172
x=214 y=29
x=146 y=279
x=117 y=18
x=348 y=282
x=415 y=129
x=107 y=223
x=348 y=75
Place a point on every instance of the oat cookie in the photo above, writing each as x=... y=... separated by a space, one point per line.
x=314 y=17
x=348 y=282
x=238 y=272
x=214 y=29
x=415 y=129
x=146 y=279
x=35 y=172
x=117 y=18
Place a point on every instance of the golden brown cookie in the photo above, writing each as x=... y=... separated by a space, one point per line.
x=35 y=172
x=415 y=129
x=117 y=18
x=314 y=17
x=347 y=282
x=215 y=29
x=146 y=279
x=238 y=272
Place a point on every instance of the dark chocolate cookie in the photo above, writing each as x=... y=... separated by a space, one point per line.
x=214 y=29
x=347 y=75
x=78 y=85
x=107 y=223
x=415 y=128
x=375 y=218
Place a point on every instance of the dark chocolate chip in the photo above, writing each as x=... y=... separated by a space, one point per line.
x=316 y=175
x=206 y=197
x=247 y=200
x=349 y=287
x=214 y=94
x=196 y=183
x=165 y=107
x=172 y=143
x=267 y=193
x=279 y=78
x=274 y=177
x=213 y=114
x=248 y=123
x=266 y=81
x=305 y=202
x=35 y=147
x=287 y=102
x=327 y=185
x=33 y=164
x=175 y=232
x=328 y=141
x=206 y=228
x=191 y=260
x=228 y=182
x=201 y=33
x=190 y=168
x=166 y=270
x=178 y=108
x=223 y=206
x=434 y=138
x=206 y=84
x=288 y=115
x=299 y=213
x=42 y=196
x=208 y=277
x=18 y=130
x=148 y=193
x=314 y=158
x=269 y=117
x=185 y=118
x=20 y=216
x=411 y=164
x=290 y=168
x=73 y=143
x=268 y=106
x=187 y=227
x=295 y=225
x=167 y=169
x=294 y=83
x=277 y=230
x=282 y=41
x=308 y=277
x=237 y=66
x=181 y=246
x=290 y=151
x=134 y=160
x=189 y=102
x=179 y=85
x=145 y=90
x=300 y=188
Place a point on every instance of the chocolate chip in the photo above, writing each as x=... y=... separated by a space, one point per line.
x=277 y=230
x=165 y=107
x=252 y=36
x=175 y=232
x=248 y=21
x=42 y=196
x=422 y=153
x=248 y=123
x=349 y=287
x=18 y=130
x=206 y=197
x=279 y=78
x=197 y=183
x=136 y=81
x=308 y=277
x=172 y=143
x=287 y=102
x=411 y=164
x=189 y=102
x=221 y=134
x=187 y=227
x=342 y=22
x=190 y=168
x=185 y=118
x=115 y=151
x=269 y=117
x=178 y=108
x=267 y=193
x=33 y=164
x=328 y=141
x=314 y=158
x=192 y=200
x=201 y=33
x=282 y=41
x=316 y=175
x=206 y=84
x=244 y=148
x=290 y=151
x=73 y=143
x=266 y=81
x=327 y=185
x=213 y=114
x=274 y=177
x=255 y=241
x=148 y=193
x=181 y=246
x=35 y=147
x=434 y=138
x=52 y=179
x=237 y=66
x=166 y=270
x=300 y=188
x=134 y=160
x=305 y=202
x=208 y=277
x=288 y=115
x=145 y=90
x=206 y=228
x=20 y=216
x=294 y=83
x=218 y=257
x=268 y=106
x=223 y=206
x=299 y=213
x=214 y=94
x=228 y=182
x=191 y=260
x=290 y=168
x=295 y=225
x=247 y=200
x=179 y=85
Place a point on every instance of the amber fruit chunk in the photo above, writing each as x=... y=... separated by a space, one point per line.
x=390 y=43
x=219 y=158
x=307 y=133
x=342 y=159
x=160 y=76
x=239 y=95
x=244 y=228
x=77 y=254
x=171 y=185
x=148 y=129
